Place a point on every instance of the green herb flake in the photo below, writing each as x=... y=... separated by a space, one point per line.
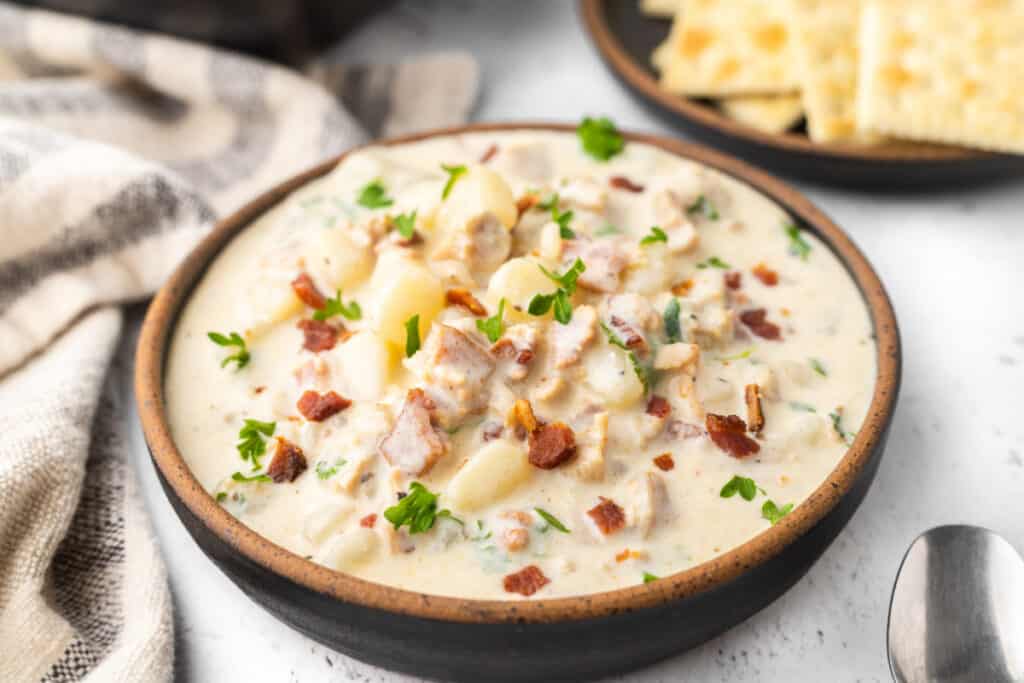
x=325 y=471
x=563 y=218
x=252 y=444
x=657 y=235
x=454 y=173
x=568 y=280
x=703 y=206
x=374 y=196
x=744 y=486
x=221 y=496
x=714 y=262
x=417 y=510
x=802 y=407
x=549 y=204
x=837 y=424
x=818 y=367
x=333 y=307
x=773 y=513
x=743 y=355
x=648 y=577
x=540 y=304
x=412 y=335
x=238 y=476
x=241 y=357
x=607 y=230
x=493 y=327
x=643 y=373
x=798 y=246
x=600 y=138
x=405 y=224
x=552 y=520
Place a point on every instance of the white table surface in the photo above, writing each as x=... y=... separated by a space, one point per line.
x=953 y=263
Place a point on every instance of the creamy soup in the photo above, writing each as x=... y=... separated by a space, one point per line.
x=503 y=365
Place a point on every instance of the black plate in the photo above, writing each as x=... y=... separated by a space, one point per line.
x=625 y=38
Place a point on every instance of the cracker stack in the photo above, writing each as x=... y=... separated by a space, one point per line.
x=860 y=71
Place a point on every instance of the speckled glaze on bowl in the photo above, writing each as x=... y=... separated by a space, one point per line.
x=537 y=640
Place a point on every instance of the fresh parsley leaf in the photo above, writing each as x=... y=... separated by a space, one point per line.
x=540 y=304
x=405 y=224
x=374 y=196
x=714 y=262
x=739 y=356
x=703 y=206
x=773 y=513
x=323 y=471
x=412 y=335
x=648 y=577
x=657 y=235
x=241 y=357
x=606 y=230
x=568 y=280
x=417 y=510
x=238 y=476
x=818 y=367
x=552 y=520
x=563 y=218
x=449 y=515
x=493 y=327
x=671 y=317
x=837 y=424
x=643 y=373
x=221 y=496
x=549 y=204
x=744 y=486
x=480 y=536
x=802 y=407
x=600 y=138
x=454 y=173
x=334 y=307
x=798 y=246
x=562 y=309
x=252 y=444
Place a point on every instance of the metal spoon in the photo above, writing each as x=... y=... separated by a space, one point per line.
x=957 y=610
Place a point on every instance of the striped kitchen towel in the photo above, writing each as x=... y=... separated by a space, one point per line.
x=118 y=149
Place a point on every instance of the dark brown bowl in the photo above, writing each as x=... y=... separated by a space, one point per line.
x=561 y=639
x=625 y=38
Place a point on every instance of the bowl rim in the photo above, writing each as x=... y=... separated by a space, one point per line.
x=623 y=65
x=163 y=312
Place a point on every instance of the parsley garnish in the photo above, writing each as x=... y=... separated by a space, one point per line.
x=549 y=204
x=703 y=206
x=739 y=356
x=412 y=335
x=405 y=224
x=240 y=357
x=238 y=476
x=744 y=486
x=600 y=138
x=374 y=196
x=481 y=536
x=418 y=510
x=803 y=407
x=643 y=373
x=221 y=496
x=606 y=230
x=648 y=577
x=837 y=424
x=657 y=235
x=552 y=520
x=325 y=472
x=714 y=262
x=252 y=444
x=773 y=513
x=493 y=327
x=334 y=307
x=671 y=317
x=568 y=280
x=454 y=173
x=818 y=367
x=559 y=299
x=798 y=246
x=563 y=219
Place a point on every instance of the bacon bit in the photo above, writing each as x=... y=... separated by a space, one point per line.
x=755 y=416
x=522 y=415
x=489 y=154
x=733 y=280
x=526 y=581
x=526 y=202
x=318 y=407
x=551 y=445
x=259 y=390
x=766 y=275
x=665 y=462
x=457 y=296
x=306 y=290
x=630 y=337
x=515 y=539
x=683 y=288
x=628 y=554
x=623 y=556
x=319 y=335
x=608 y=516
x=368 y=521
x=288 y=463
x=728 y=434
x=679 y=429
x=658 y=406
x=755 y=320
x=492 y=431
x=623 y=183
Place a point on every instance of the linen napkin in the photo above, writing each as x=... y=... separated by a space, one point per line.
x=118 y=149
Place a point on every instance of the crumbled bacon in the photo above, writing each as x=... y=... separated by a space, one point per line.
x=526 y=581
x=608 y=516
x=658 y=406
x=728 y=433
x=629 y=336
x=755 y=320
x=319 y=335
x=526 y=202
x=623 y=183
x=733 y=279
x=488 y=154
x=665 y=462
x=683 y=288
x=288 y=462
x=368 y=521
x=551 y=445
x=317 y=407
x=678 y=429
x=766 y=275
x=457 y=296
x=522 y=416
x=307 y=292
x=755 y=416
